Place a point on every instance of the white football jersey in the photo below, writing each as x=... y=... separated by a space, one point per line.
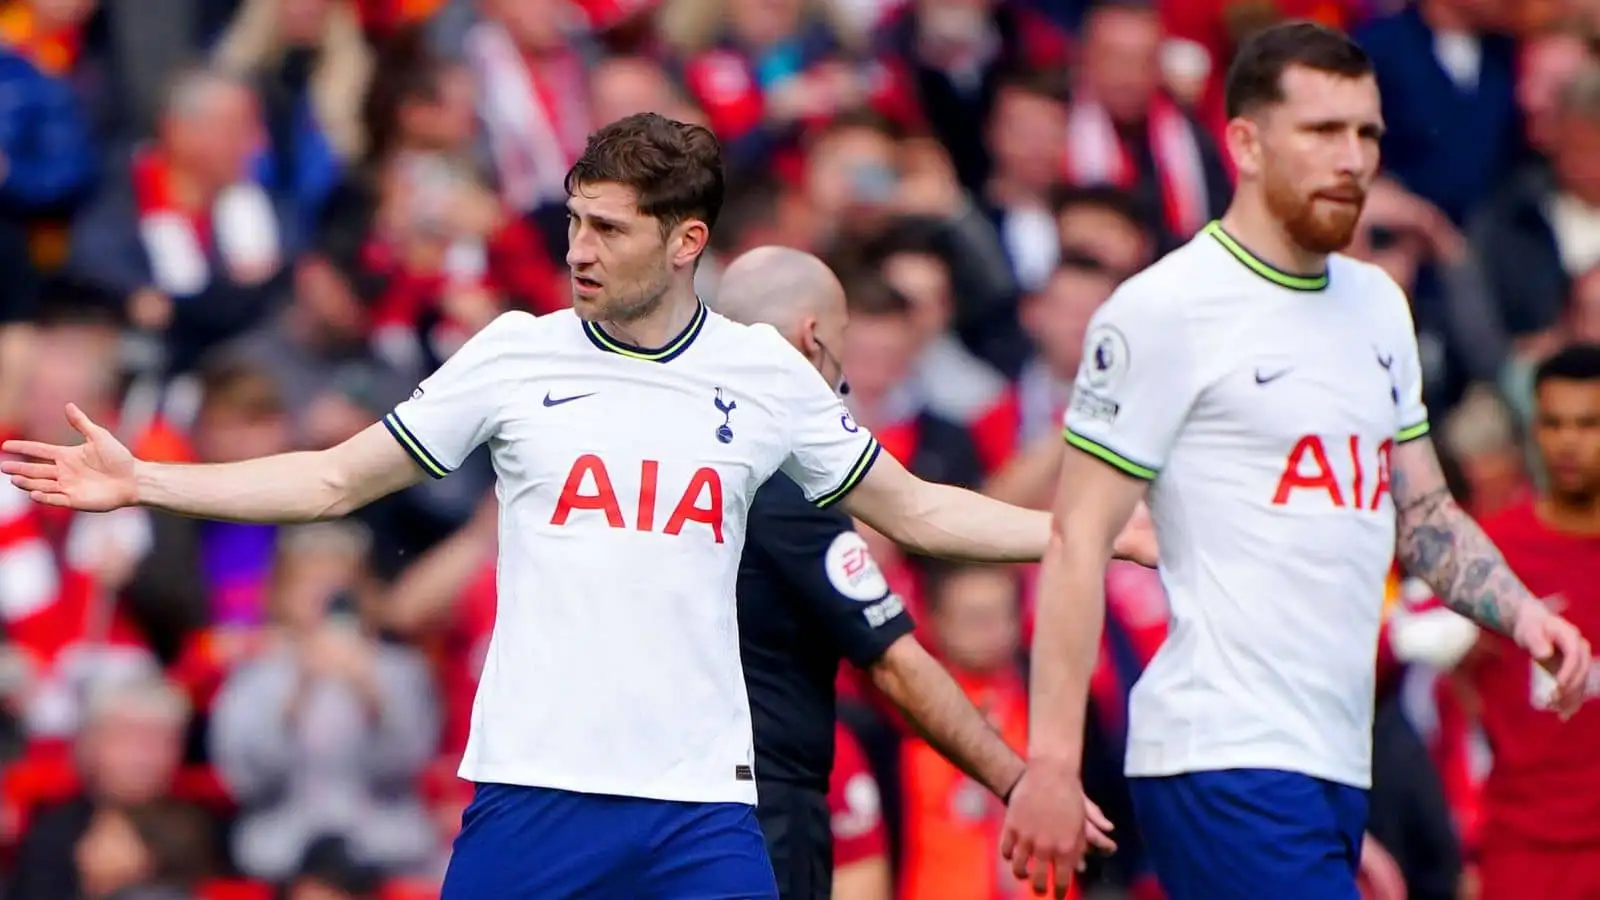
x=625 y=476
x=1263 y=407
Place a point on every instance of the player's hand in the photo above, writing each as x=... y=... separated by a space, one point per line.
x=1137 y=542
x=1380 y=877
x=1044 y=835
x=95 y=476
x=1097 y=828
x=1560 y=649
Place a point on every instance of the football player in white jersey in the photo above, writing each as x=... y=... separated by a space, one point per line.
x=1264 y=390
x=611 y=735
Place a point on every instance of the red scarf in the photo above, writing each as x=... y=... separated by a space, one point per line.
x=239 y=225
x=1096 y=155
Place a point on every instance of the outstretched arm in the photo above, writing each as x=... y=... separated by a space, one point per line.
x=289 y=487
x=954 y=523
x=1439 y=543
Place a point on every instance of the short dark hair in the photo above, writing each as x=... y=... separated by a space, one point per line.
x=1050 y=84
x=1578 y=362
x=1104 y=197
x=868 y=294
x=674 y=168
x=1255 y=78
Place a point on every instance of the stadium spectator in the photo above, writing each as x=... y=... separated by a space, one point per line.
x=1542 y=229
x=1124 y=130
x=1027 y=140
x=879 y=351
x=953 y=52
x=326 y=731
x=1549 y=59
x=621 y=86
x=329 y=871
x=127 y=757
x=152 y=851
x=311 y=67
x=47 y=153
x=861 y=867
x=952 y=824
x=1449 y=102
x=185 y=239
x=1107 y=225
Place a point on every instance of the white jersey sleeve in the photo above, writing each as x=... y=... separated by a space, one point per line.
x=1136 y=382
x=456 y=408
x=1411 y=416
x=829 y=453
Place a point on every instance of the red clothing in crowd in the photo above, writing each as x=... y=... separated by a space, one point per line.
x=1542 y=796
x=855 y=806
x=460 y=654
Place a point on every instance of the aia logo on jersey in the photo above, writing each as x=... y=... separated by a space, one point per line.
x=588 y=488
x=1308 y=470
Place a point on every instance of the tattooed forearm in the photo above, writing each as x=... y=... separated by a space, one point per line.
x=1439 y=543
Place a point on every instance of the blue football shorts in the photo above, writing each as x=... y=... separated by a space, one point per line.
x=529 y=843
x=1251 y=834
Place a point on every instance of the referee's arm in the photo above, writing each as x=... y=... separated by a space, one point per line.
x=818 y=552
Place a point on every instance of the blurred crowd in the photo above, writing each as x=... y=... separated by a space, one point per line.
x=236 y=227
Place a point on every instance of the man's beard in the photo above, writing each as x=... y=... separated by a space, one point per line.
x=1328 y=232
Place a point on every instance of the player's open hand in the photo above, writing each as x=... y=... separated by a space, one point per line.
x=1044 y=836
x=95 y=476
x=1561 y=649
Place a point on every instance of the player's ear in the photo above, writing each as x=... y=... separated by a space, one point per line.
x=688 y=241
x=1243 y=137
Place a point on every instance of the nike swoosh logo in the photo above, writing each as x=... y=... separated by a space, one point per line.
x=1270 y=377
x=552 y=401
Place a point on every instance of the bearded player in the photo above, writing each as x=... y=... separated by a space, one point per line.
x=1541 y=801
x=1264 y=391
x=610 y=739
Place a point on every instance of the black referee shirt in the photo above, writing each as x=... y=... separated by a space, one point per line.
x=809 y=596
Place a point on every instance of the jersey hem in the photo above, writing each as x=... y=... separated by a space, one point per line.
x=1412 y=432
x=1138 y=767
x=743 y=792
x=1109 y=456
x=414 y=448
x=863 y=465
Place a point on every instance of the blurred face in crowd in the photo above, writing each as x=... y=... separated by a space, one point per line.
x=303 y=21
x=447 y=122
x=924 y=279
x=1577 y=156
x=1028 y=138
x=621 y=262
x=308 y=575
x=214 y=133
x=111 y=856
x=245 y=426
x=627 y=85
x=1583 y=309
x=1548 y=62
x=71 y=364
x=1567 y=433
x=1057 y=317
x=131 y=751
x=878 y=353
x=1122 y=60
x=851 y=170
x=56 y=14
x=1104 y=235
x=535 y=25
x=949 y=25
x=976 y=618
x=761 y=23
x=336 y=317
x=1314 y=155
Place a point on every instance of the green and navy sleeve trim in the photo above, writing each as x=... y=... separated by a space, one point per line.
x=1411 y=432
x=414 y=448
x=863 y=465
x=673 y=349
x=1109 y=456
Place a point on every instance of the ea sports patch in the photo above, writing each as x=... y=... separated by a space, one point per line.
x=851 y=569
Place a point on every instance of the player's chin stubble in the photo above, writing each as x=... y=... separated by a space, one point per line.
x=1320 y=227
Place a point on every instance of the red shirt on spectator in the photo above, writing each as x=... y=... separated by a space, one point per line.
x=460 y=658
x=855 y=806
x=1544 y=787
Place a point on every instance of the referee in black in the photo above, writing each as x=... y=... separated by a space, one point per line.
x=810 y=595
